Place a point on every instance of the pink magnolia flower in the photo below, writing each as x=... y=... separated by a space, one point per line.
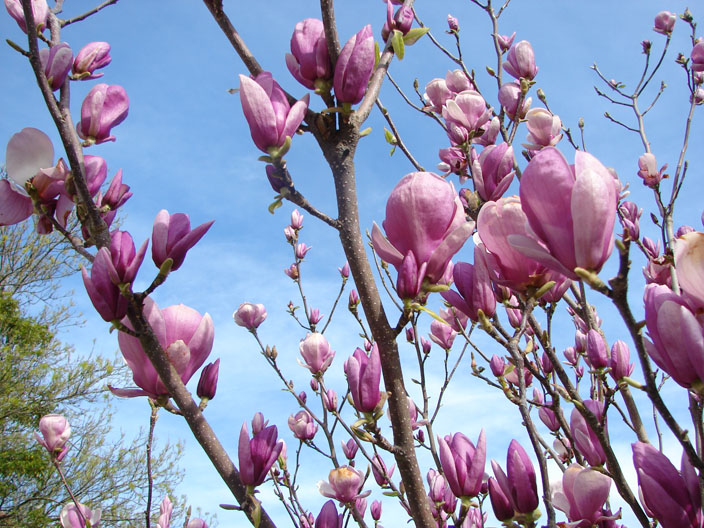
x=518 y=484
x=572 y=209
x=172 y=237
x=520 y=61
x=197 y=523
x=363 y=377
x=465 y=115
x=665 y=22
x=165 y=510
x=436 y=93
x=302 y=425
x=697 y=56
x=103 y=108
x=648 y=170
x=56 y=62
x=185 y=335
x=258 y=454
x=509 y=97
x=463 y=463
x=597 y=351
x=424 y=217
x=208 y=382
x=585 y=439
x=54 y=432
x=354 y=67
x=581 y=495
x=92 y=57
x=270 y=117
x=309 y=61
x=328 y=516
x=316 y=353
x=493 y=171
x=673 y=498
x=619 y=361
x=677 y=344
x=443 y=334
x=344 y=484
x=544 y=129
x=40 y=12
x=72 y=517
x=381 y=473
x=401 y=21
x=250 y=315
x=689 y=263
x=505 y=41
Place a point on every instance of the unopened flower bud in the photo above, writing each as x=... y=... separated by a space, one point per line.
x=452 y=23
x=664 y=22
x=208 y=383
x=250 y=315
x=92 y=57
x=56 y=63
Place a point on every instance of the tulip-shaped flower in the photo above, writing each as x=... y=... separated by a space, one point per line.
x=72 y=517
x=518 y=484
x=344 y=484
x=520 y=61
x=597 y=351
x=185 y=335
x=493 y=171
x=363 y=376
x=316 y=353
x=425 y=217
x=328 y=516
x=465 y=115
x=309 y=61
x=672 y=497
x=165 y=510
x=571 y=209
x=544 y=129
x=40 y=12
x=172 y=237
x=258 y=454
x=665 y=22
x=581 y=495
x=92 y=57
x=270 y=117
x=104 y=107
x=302 y=425
x=677 y=344
x=585 y=439
x=197 y=523
x=354 y=67
x=697 y=56
x=689 y=264
x=250 y=315
x=510 y=95
x=381 y=473
x=463 y=463
x=54 y=432
x=104 y=294
x=56 y=63
x=648 y=170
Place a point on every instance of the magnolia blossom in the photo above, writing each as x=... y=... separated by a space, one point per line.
x=354 y=67
x=250 y=315
x=689 y=265
x=463 y=463
x=344 y=484
x=73 y=517
x=316 y=353
x=648 y=170
x=258 y=454
x=270 y=117
x=56 y=62
x=54 y=432
x=544 y=129
x=363 y=377
x=465 y=115
x=520 y=61
x=309 y=61
x=103 y=108
x=185 y=335
x=581 y=495
x=518 y=484
x=302 y=425
x=172 y=237
x=665 y=22
x=40 y=12
x=91 y=57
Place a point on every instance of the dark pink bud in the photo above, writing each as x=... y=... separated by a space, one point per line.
x=381 y=473
x=314 y=384
x=258 y=454
x=665 y=22
x=376 y=510
x=363 y=376
x=302 y=425
x=270 y=117
x=597 y=351
x=497 y=364
x=361 y=505
x=302 y=397
x=208 y=383
x=316 y=353
x=96 y=173
x=410 y=334
x=330 y=400
x=56 y=63
x=117 y=193
x=92 y=57
x=651 y=247
x=629 y=218
x=344 y=270
x=548 y=417
x=463 y=463
x=250 y=315
x=353 y=301
x=426 y=345
x=442 y=334
x=452 y=23
x=520 y=475
x=354 y=67
x=172 y=237
x=547 y=365
x=54 y=432
x=309 y=61
x=328 y=516
x=474 y=289
x=683 y=230
x=520 y=61
x=505 y=41
x=40 y=12
x=350 y=448
x=620 y=356
x=410 y=277
x=104 y=294
x=126 y=260
x=103 y=108
x=512 y=377
x=500 y=501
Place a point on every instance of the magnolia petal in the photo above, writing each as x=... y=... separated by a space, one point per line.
x=28 y=151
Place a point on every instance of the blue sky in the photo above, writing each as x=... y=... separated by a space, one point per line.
x=185 y=147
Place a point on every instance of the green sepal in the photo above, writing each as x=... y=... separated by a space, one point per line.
x=275 y=204
x=377 y=54
x=265 y=159
x=414 y=34
x=389 y=137
x=397 y=44
x=365 y=132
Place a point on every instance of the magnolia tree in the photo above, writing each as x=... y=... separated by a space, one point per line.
x=534 y=276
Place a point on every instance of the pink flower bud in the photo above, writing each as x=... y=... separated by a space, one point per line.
x=270 y=117
x=309 y=61
x=452 y=23
x=328 y=517
x=292 y=271
x=664 y=22
x=619 y=363
x=56 y=63
x=344 y=484
x=350 y=448
x=410 y=334
x=497 y=364
x=585 y=439
x=474 y=288
x=296 y=220
x=344 y=270
x=463 y=463
x=544 y=129
x=330 y=400
x=40 y=12
x=92 y=57
x=581 y=494
x=519 y=481
x=648 y=170
x=520 y=61
x=103 y=108
x=354 y=67
x=316 y=353
x=442 y=334
x=629 y=218
x=315 y=316
x=208 y=383
x=425 y=345
x=697 y=56
x=376 y=510
x=363 y=376
x=381 y=473
x=165 y=510
x=597 y=352
x=197 y=523
x=249 y=315
x=353 y=301
x=505 y=41
x=509 y=97
x=689 y=256
x=493 y=171
x=258 y=454
x=72 y=517
x=54 y=432
x=548 y=417
x=172 y=237
x=301 y=250
x=302 y=425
